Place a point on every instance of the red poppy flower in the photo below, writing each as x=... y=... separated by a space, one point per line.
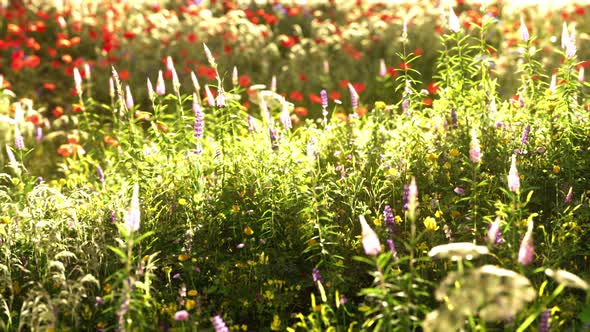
x=296 y=96
x=315 y=99
x=244 y=81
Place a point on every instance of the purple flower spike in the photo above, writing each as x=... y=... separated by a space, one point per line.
x=316 y=275
x=526 y=253
x=392 y=247
x=324 y=97
x=544 y=322
x=388 y=218
x=525 y=135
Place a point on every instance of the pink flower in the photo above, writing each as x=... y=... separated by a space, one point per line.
x=513 y=178
x=181 y=315
x=160 y=85
x=474 y=148
x=526 y=252
x=370 y=240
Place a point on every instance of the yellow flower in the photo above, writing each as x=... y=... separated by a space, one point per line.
x=193 y=292
x=190 y=304
x=556 y=169
x=107 y=288
x=430 y=224
x=455 y=214
x=454 y=152
x=248 y=231
x=438 y=214
x=432 y=157
x=235 y=208
x=182 y=202
x=4 y=220
x=377 y=222
x=276 y=323
x=398 y=219
x=244 y=327
x=183 y=257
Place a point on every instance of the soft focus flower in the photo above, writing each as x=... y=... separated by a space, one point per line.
x=544 y=323
x=369 y=238
x=524 y=31
x=525 y=135
x=458 y=250
x=199 y=124
x=100 y=173
x=181 y=315
x=78 y=81
x=513 y=178
x=382 y=68
x=354 y=97
x=317 y=276
x=160 y=85
x=210 y=98
x=195 y=82
x=494 y=232
x=324 y=97
x=273 y=83
x=132 y=216
x=12 y=163
x=565 y=39
x=234 y=76
x=128 y=98
x=412 y=196
x=286 y=116
x=209 y=56
x=454 y=23
x=581 y=75
x=454 y=120
x=526 y=252
x=392 y=247
x=389 y=218
x=567 y=279
x=150 y=89
x=19 y=142
x=569 y=196
x=219 y=324
x=553 y=84
x=474 y=148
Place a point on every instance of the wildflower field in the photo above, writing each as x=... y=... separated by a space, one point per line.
x=294 y=166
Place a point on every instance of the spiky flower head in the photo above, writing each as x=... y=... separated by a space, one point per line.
x=474 y=148
x=210 y=98
x=78 y=81
x=209 y=56
x=234 y=76
x=524 y=31
x=354 y=97
x=219 y=324
x=128 y=98
x=382 y=68
x=369 y=238
x=494 y=232
x=513 y=178
x=324 y=98
x=133 y=214
x=150 y=88
x=526 y=252
x=160 y=85
x=195 y=81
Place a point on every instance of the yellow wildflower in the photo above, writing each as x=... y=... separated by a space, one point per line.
x=398 y=219
x=276 y=323
x=235 y=208
x=454 y=152
x=248 y=231
x=438 y=214
x=193 y=292
x=556 y=169
x=430 y=224
x=183 y=257
x=190 y=304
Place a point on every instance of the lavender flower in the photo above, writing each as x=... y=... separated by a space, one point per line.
x=571 y=49
x=274 y=138
x=19 y=142
x=526 y=252
x=513 y=178
x=100 y=173
x=459 y=190
x=454 y=23
x=474 y=148
x=38 y=134
x=389 y=218
x=316 y=275
x=494 y=232
x=525 y=135
x=392 y=247
x=219 y=324
x=220 y=101
x=324 y=97
x=285 y=116
x=128 y=98
x=370 y=240
x=251 y=124
x=199 y=124
x=524 y=31
x=544 y=323
x=354 y=97
x=181 y=315
x=175 y=81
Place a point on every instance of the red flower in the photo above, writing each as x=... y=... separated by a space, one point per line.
x=34 y=119
x=245 y=81
x=343 y=84
x=129 y=34
x=300 y=111
x=296 y=96
x=288 y=41
x=359 y=87
x=57 y=111
x=302 y=77
x=315 y=98
x=433 y=88
x=123 y=75
x=335 y=94
x=49 y=86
